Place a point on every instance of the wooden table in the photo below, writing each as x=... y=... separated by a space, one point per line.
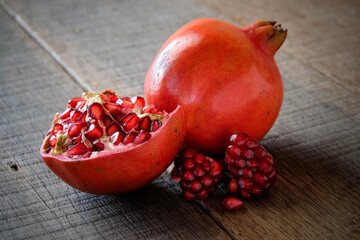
x=51 y=51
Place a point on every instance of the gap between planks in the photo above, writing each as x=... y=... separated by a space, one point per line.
x=46 y=47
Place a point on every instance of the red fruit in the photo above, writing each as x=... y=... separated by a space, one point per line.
x=232 y=203
x=251 y=167
x=223 y=76
x=198 y=175
x=95 y=155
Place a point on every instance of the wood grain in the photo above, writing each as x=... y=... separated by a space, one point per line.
x=34 y=203
x=316 y=139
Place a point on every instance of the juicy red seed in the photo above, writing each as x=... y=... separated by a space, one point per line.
x=183 y=184
x=113 y=108
x=76 y=140
x=269 y=159
x=195 y=186
x=118 y=117
x=53 y=141
x=151 y=109
x=245 y=194
x=188 y=154
x=126 y=118
x=66 y=114
x=233 y=186
x=105 y=97
x=75 y=129
x=229 y=160
x=188 y=195
x=247 y=153
x=94 y=132
x=232 y=203
x=107 y=120
x=202 y=194
x=144 y=123
x=78 y=149
x=155 y=125
x=199 y=172
x=117 y=138
x=98 y=145
x=260 y=152
x=57 y=127
x=73 y=102
x=188 y=164
x=130 y=138
x=199 y=158
x=82 y=118
x=251 y=143
x=234 y=151
x=131 y=122
x=187 y=176
x=206 y=165
x=207 y=181
x=265 y=167
x=75 y=115
x=113 y=99
x=96 y=111
x=238 y=139
x=245 y=184
x=260 y=179
x=245 y=172
x=143 y=136
x=125 y=102
x=112 y=128
x=216 y=169
x=252 y=164
x=139 y=102
x=256 y=191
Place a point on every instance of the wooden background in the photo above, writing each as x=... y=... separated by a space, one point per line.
x=51 y=51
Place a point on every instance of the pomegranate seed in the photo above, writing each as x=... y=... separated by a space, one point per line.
x=144 y=124
x=155 y=125
x=75 y=115
x=57 y=127
x=119 y=116
x=233 y=150
x=112 y=108
x=207 y=181
x=216 y=169
x=107 y=120
x=151 y=109
x=117 y=138
x=232 y=203
x=139 y=102
x=113 y=99
x=143 y=136
x=75 y=129
x=105 y=97
x=195 y=186
x=188 y=164
x=130 y=121
x=187 y=176
x=53 y=141
x=82 y=118
x=130 y=138
x=94 y=132
x=233 y=186
x=125 y=102
x=98 y=145
x=76 y=140
x=73 y=102
x=112 y=128
x=66 y=114
x=78 y=149
x=188 y=195
x=96 y=111
x=202 y=194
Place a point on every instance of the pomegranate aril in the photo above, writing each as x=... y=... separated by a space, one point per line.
x=113 y=108
x=125 y=102
x=143 y=136
x=113 y=99
x=130 y=138
x=129 y=122
x=83 y=116
x=187 y=176
x=151 y=109
x=98 y=145
x=53 y=141
x=75 y=129
x=117 y=138
x=188 y=164
x=195 y=186
x=78 y=149
x=94 y=132
x=66 y=113
x=139 y=102
x=76 y=140
x=57 y=127
x=73 y=102
x=233 y=186
x=107 y=120
x=75 y=115
x=144 y=124
x=206 y=181
x=202 y=194
x=232 y=203
x=96 y=111
x=216 y=169
x=188 y=195
x=112 y=128
x=105 y=97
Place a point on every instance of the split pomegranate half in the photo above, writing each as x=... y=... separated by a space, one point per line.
x=106 y=144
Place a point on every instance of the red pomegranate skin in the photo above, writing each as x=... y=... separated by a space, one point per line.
x=126 y=168
x=225 y=78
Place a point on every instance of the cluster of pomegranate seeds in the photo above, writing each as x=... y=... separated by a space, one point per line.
x=102 y=120
x=251 y=167
x=198 y=175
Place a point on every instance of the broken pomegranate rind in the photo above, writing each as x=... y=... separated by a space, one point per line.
x=86 y=119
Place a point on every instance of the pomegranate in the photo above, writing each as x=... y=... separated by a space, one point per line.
x=231 y=204
x=106 y=144
x=199 y=175
x=225 y=78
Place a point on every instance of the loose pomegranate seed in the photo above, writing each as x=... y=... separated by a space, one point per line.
x=73 y=102
x=232 y=203
x=144 y=123
x=113 y=108
x=78 y=149
x=96 y=111
x=94 y=132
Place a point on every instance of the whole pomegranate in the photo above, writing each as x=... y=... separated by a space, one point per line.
x=225 y=78
x=106 y=144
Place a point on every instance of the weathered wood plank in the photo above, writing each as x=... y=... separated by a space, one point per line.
x=316 y=138
x=34 y=203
